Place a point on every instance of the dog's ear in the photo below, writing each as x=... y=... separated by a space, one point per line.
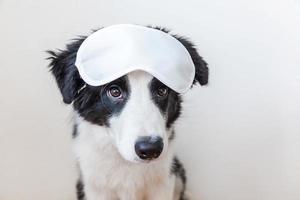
x=201 y=69
x=62 y=66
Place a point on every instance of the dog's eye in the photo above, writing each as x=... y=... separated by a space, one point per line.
x=115 y=92
x=162 y=92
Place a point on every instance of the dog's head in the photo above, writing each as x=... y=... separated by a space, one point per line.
x=138 y=109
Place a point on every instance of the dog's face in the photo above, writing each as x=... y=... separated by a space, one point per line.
x=137 y=109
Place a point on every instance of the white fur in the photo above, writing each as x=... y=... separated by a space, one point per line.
x=110 y=168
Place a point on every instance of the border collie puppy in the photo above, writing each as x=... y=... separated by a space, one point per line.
x=124 y=130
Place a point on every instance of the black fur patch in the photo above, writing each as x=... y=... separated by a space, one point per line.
x=170 y=106
x=80 y=190
x=75 y=131
x=62 y=66
x=94 y=105
x=178 y=170
x=172 y=135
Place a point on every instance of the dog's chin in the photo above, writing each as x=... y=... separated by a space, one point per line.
x=134 y=159
x=140 y=161
x=137 y=160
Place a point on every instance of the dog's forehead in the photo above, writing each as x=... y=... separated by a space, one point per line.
x=139 y=78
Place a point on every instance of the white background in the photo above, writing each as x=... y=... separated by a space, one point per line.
x=239 y=137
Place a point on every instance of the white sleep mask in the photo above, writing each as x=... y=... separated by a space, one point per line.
x=114 y=51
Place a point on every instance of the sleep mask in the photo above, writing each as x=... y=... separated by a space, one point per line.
x=114 y=51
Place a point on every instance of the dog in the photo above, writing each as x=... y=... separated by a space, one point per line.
x=124 y=131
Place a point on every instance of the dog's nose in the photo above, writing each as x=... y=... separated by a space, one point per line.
x=148 y=148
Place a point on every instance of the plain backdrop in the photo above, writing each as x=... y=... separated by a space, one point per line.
x=239 y=137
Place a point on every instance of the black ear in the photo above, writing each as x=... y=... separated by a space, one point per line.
x=62 y=66
x=201 y=75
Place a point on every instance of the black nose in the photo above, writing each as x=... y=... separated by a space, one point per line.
x=148 y=148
